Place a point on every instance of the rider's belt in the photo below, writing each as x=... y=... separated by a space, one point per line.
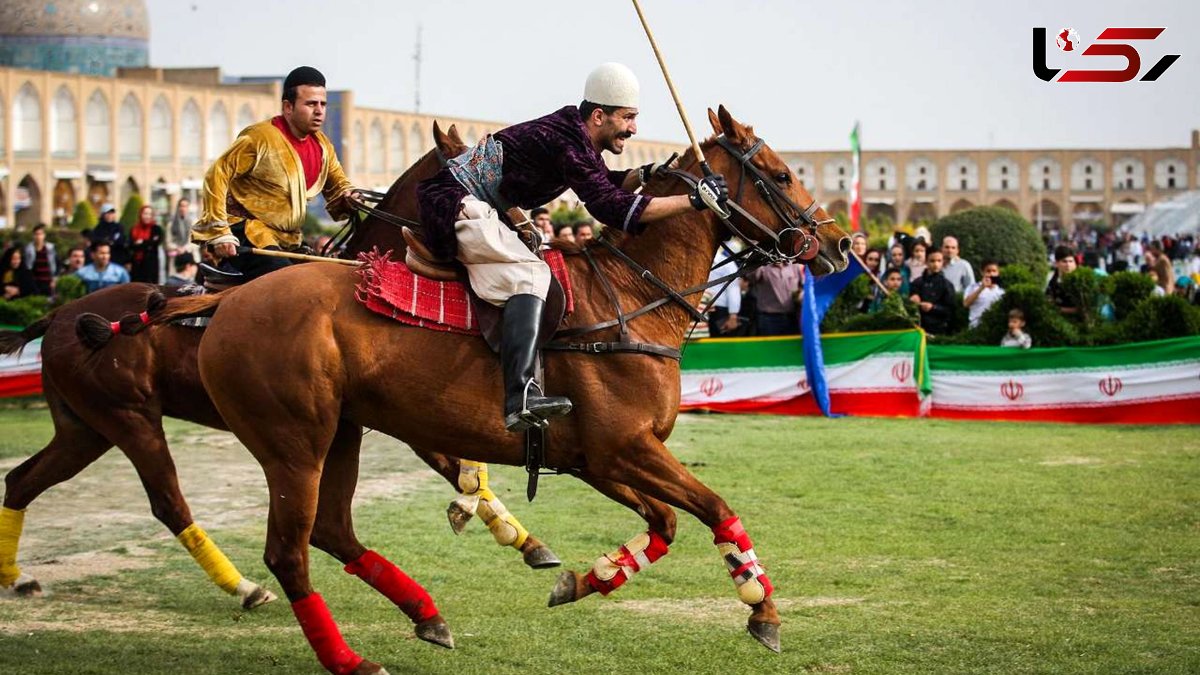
x=615 y=348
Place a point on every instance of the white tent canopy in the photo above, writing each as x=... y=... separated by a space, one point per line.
x=1177 y=216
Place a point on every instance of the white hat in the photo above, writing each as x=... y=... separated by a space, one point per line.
x=612 y=84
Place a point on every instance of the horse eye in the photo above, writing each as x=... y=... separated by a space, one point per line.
x=783 y=177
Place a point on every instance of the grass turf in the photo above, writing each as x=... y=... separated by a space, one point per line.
x=896 y=546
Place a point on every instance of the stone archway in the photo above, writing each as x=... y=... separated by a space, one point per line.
x=838 y=207
x=884 y=213
x=128 y=189
x=27 y=204
x=64 y=202
x=1046 y=218
x=922 y=212
x=961 y=205
x=3 y=206
x=98 y=194
x=1005 y=204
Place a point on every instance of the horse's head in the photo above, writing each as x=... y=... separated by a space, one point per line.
x=770 y=193
x=448 y=142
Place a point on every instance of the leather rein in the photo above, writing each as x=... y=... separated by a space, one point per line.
x=798 y=220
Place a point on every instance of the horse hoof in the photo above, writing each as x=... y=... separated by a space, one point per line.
x=27 y=588
x=459 y=514
x=766 y=633
x=369 y=668
x=564 y=590
x=436 y=631
x=256 y=597
x=541 y=557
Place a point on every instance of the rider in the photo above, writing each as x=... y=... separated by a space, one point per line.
x=531 y=164
x=257 y=192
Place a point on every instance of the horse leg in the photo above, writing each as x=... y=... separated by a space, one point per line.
x=146 y=447
x=333 y=532
x=650 y=468
x=471 y=479
x=614 y=569
x=74 y=446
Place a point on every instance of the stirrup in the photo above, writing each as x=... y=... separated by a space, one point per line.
x=525 y=418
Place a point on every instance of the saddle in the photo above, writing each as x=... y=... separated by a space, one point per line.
x=422 y=262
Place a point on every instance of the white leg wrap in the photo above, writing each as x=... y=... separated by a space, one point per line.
x=505 y=527
x=750 y=590
x=607 y=566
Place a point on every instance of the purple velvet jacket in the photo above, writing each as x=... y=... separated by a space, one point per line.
x=542 y=159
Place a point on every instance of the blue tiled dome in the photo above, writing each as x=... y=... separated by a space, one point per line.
x=78 y=36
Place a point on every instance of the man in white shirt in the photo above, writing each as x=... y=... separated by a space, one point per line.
x=723 y=312
x=956 y=270
x=983 y=293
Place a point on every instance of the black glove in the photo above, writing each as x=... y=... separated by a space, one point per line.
x=710 y=191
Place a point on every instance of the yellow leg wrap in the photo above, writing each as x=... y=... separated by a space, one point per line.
x=472 y=476
x=505 y=527
x=11 y=522
x=211 y=559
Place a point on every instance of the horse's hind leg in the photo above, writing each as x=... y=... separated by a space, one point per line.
x=614 y=569
x=333 y=532
x=471 y=479
x=74 y=446
x=143 y=442
x=648 y=467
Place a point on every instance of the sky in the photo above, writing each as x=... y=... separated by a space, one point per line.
x=916 y=75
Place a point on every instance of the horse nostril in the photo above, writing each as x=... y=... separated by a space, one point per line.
x=844 y=245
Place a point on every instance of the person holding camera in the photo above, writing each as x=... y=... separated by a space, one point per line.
x=983 y=293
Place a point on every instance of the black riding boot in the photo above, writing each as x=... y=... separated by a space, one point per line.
x=524 y=404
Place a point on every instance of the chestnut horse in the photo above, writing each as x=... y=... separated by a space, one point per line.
x=292 y=361
x=94 y=408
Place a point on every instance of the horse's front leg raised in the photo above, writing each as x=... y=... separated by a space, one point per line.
x=648 y=467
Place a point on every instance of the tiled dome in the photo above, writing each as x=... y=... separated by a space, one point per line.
x=78 y=36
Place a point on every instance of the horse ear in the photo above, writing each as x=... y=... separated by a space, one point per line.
x=715 y=122
x=439 y=136
x=452 y=132
x=734 y=130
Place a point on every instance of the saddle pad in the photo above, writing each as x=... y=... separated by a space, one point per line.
x=389 y=288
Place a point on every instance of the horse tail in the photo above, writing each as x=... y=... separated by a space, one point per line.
x=95 y=331
x=12 y=341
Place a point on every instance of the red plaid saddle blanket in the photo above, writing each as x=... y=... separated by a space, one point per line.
x=389 y=288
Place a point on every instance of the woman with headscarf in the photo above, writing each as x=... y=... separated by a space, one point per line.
x=145 y=238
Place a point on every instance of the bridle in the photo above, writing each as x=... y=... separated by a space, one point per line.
x=798 y=220
x=801 y=221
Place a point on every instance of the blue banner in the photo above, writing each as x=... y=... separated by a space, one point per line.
x=819 y=294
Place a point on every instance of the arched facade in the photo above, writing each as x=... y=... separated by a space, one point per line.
x=1045 y=174
x=1129 y=173
x=98 y=130
x=1087 y=175
x=960 y=205
x=162 y=130
x=1170 y=174
x=64 y=124
x=376 y=149
x=130 y=129
x=837 y=176
x=219 y=136
x=920 y=175
x=962 y=175
x=1003 y=175
x=880 y=175
x=27 y=120
x=191 y=133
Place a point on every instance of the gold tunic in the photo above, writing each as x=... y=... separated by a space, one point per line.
x=262 y=173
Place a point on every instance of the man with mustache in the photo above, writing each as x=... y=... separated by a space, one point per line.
x=256 y=194
x=527 y=165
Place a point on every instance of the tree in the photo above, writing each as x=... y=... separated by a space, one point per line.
x=85 y=217
x=991 y=232
x=129 y=214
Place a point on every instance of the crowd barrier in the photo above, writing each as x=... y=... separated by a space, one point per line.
x=898 y=374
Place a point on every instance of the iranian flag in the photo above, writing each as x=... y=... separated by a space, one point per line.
x=855 y=187
x=868 y=374
x=1142 y=383
x=21 y=374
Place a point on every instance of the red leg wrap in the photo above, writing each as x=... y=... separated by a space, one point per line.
x=395 y=585
x=323 y=635
x=746 y=567
x=629 y=564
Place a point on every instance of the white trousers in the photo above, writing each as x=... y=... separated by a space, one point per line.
x=498 y=264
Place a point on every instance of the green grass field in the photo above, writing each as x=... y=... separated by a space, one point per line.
x=896 y=546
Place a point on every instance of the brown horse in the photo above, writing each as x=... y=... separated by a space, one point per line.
x=94 y=408
x=292 y=361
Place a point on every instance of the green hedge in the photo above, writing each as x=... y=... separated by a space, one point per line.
x=991 y=232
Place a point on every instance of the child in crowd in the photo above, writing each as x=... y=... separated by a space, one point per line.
x=1016 y=335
